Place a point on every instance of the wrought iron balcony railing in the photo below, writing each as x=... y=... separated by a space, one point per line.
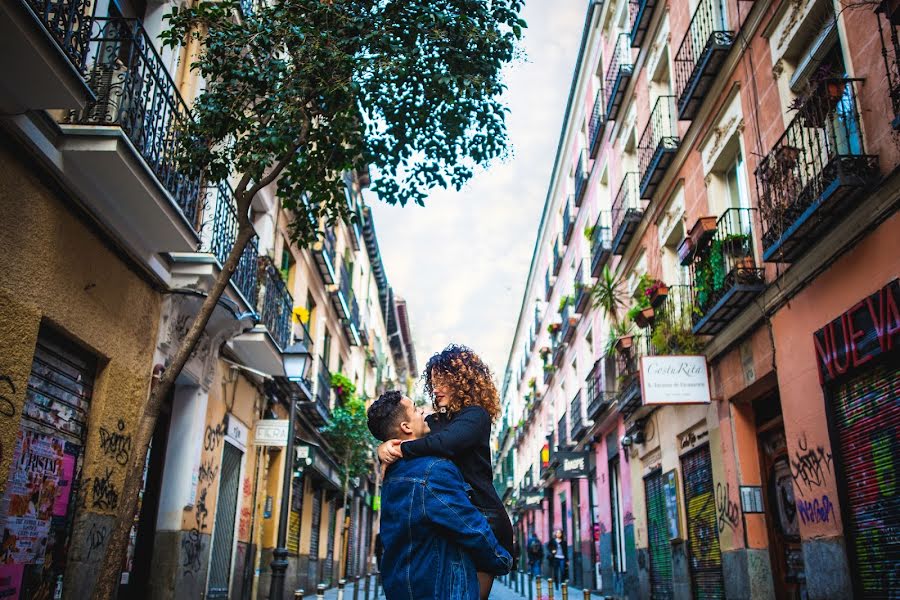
x=597 y=123
x=568 y=221
x=548 y=284
x=618 y=74
x=323 y=384
x=557 y=258
x=658 y=145
x=640 y=13
x=69 y=24
x=628 y=362
x=135 y=92
x=725 y=275
x=323 y=250
x=582 y=291
x=277 y=305
x=627 y=211
x=809 y=179
x=703 y=50
x=581 y=178
x=569 y=323
x=559 y=351
x=673 y=322
x=888 y=17
x=578 y=426
x=219 y=234
x=562 y=433
x=598 y=398
x=601 y=243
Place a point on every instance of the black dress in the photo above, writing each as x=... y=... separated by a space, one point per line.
x=465 y=439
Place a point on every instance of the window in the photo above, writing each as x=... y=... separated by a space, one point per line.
x=736 y=184
x=287 y=265
x=615 y=504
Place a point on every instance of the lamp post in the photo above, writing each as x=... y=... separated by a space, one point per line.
x=296 y=360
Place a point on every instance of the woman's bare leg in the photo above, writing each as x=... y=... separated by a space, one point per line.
x=485 y=582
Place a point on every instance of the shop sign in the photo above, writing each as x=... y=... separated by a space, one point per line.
x=545 y=456
x=533 y=500
x=235 y=431
x=271 y=432
x=674 y=380
x=572 y=465
x=868 y=329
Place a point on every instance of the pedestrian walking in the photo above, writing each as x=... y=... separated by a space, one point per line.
x=466 y=401
x=559 y=561
x=535 y=555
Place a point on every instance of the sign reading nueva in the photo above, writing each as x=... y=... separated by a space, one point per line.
x=674 y=380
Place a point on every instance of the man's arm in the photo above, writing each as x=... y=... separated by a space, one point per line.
x=448 y=507
x=463 y=432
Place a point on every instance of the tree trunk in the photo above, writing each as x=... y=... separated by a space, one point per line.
x=344 y=540
x=108 y=577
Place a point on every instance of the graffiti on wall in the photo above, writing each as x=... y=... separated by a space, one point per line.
x=7 y=408
x=810 y=467
x=116 y=444
x=818 y=510
x=727 y=510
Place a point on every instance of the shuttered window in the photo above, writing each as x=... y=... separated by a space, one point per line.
x=658 y=537
x=704 y=552
x=866 y=413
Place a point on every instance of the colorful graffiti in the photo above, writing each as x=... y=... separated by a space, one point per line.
x=705 y=555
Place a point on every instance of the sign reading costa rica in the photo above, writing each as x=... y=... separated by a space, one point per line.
x=870 y=328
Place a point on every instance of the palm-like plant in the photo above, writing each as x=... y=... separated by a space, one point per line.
x=608 y=297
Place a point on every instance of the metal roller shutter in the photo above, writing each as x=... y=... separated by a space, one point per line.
x=705 y=554
x=315 y=524
x=657 y=533
x=866 y=413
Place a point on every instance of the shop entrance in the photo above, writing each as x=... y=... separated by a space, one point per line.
x=705 y=554
x=659 y=548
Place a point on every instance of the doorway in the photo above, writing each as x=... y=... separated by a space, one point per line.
x=220 y=556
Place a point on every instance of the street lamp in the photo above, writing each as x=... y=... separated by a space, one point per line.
x=296 y=361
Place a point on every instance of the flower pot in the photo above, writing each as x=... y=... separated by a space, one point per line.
x=644 y=318
x=686 y=251
x=702 y=231
x=745 y=270
x=573 y=321
x=659 y=296
x=624 y=343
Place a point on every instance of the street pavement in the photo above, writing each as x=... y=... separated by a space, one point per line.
x=500 y=591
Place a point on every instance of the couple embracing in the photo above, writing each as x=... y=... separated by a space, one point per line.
x=444 y=531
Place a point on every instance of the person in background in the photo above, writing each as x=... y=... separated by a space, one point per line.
x=535 y=555
x=435 y=541
x=558 y=557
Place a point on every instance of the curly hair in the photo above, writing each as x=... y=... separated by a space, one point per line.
x=385 y=415
x=468 y=378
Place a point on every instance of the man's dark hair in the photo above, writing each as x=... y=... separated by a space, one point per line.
x=385 y=415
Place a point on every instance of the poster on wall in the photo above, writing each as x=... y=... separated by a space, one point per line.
x=670 y=492
x=674 y=380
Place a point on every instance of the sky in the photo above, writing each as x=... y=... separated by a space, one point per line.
x=462 y=261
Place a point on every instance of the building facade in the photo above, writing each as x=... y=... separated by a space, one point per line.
x=108 y=252
x=738 y=165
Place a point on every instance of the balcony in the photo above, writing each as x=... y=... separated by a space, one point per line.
x=814 y=173
x=628 y=362
x=323 y=250
x=596 y=124
x=559 y=351
x=557 y=259
x=598 y=398
x=563 y=438
x=725 y=275
x=581 y=179
x=568 y=222
x=627 y=212
x=45 y=43
x=344 y=302
x=319 y=412
x=640 y=13
x=549 y=370
x=582 y=302
x=601 y=243
x=703 y=50
x=672 y=329
x=120 y=150
x=658 y=145
x=618 y=74
x=888 y=17
x=548 y=285
x=578 y=425
x=261 y=347
x=569 y=323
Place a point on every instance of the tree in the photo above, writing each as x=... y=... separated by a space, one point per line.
x=298 y=92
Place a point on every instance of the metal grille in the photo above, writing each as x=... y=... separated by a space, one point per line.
x=658 y=537
x=867 y=419
x=316 y=521
x=705 y=555
x=226 y=510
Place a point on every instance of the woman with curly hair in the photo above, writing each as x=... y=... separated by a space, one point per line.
x=466 y=402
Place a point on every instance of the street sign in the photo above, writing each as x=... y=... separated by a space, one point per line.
x=271 y=432
x=572 y=465
x=674 y=380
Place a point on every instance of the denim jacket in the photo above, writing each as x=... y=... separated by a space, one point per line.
x=434 y=538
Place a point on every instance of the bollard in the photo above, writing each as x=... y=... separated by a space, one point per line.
x=298 y=594
x=565 y=591
x=537 y=587
x=320 y=591
x=356 y=587
x=530 y=587
x=368 y=578
x=341 y=584
x=550 y=588
x=587 y=594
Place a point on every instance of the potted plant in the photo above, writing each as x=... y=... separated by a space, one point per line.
x=589 y=232
x=553 y=328
x=685 y=251
x=656 y=292
x=641 y=315
x=624 y=343
x=702 y=231
x=736 y=244
x=563 y=302
x=549 y=368
x=544 y=352
x=532 y=383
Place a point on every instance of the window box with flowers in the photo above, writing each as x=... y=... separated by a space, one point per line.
x=656 y=293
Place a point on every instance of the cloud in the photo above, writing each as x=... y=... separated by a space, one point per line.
x=462 y=261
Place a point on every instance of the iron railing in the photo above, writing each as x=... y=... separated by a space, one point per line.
x=219 y=234
x=582 y=290
x=135 y=91
x=888 y=18
x=628 y=362
x=557 y=258
x=659 y=139
x=568 y=328
x=627 y=210
x=724 y=272
x=323 y=251
x=562 y=433
x=597 y=396
x=581 y=177
x=69 y=24
x=618 y=73
x=811 y=170
x=323 y=387
x=700 y=55
x=568 y=221
x=596 y=123
x=672 y=323
x=277 y=305
x=601 y=243
x=640 y=12
x=577 y=426
x=548 y=285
